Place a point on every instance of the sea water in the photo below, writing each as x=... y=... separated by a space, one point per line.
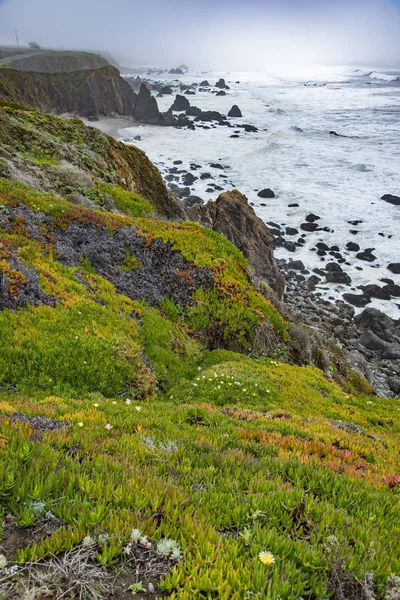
x=339 y=178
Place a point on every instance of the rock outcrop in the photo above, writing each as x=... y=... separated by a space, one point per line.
x=231 y=215
x=99 y=91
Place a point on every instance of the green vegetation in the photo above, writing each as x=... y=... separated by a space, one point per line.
x=168 y=431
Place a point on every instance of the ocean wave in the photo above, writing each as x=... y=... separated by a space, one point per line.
x=384 y=76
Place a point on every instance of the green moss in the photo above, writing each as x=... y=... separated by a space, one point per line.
x=131 y=262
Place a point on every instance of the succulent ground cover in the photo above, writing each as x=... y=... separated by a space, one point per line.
x=153 y=440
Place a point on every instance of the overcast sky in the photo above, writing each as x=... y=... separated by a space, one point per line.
x=231 y=34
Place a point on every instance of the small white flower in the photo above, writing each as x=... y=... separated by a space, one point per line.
x=138 y=408
x=114 y=403
x=80 y=424
x=128 y=401
x=96 y=405
x=108 y=426
x=195 y=384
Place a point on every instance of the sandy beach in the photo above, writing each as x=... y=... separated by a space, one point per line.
x=112 y=125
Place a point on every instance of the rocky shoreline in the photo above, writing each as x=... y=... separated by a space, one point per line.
x=370 y=339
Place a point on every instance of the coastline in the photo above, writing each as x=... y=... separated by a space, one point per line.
x=112 y=125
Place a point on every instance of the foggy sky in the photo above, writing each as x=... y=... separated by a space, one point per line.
x=238 y=34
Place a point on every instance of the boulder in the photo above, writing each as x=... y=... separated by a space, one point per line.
x=166 y=90
x=296 y=265
x=204 y=83
x=311 y=218
x=375 y=291
x=394 y=268
x=232 y=216
x=221 y=93
x=367 y=256
x=235 y=112
x=266 y=193
x=308 y=226
x=395 y=200
x=221 y=84
x=358 y=300
x=352 y=247
x=374 y=320
x=338 y=277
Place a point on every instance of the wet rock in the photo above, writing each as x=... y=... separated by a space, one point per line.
x=352 y=247
x=221 y=93
x=375 y=291
x=395 y=200
x=394 y=268
x=358 y=300
x=266 y=193
x=291 y=231
x=338 y=277
x=180 y=104
x=296 y=265
x=367 y=256
x=311 y=218
x=166 y=90
x=217 y=166
x=309 y=226
x=221 y=84
x=235 y=111
x=205 y=83
x=392 y=289
x=189 y=179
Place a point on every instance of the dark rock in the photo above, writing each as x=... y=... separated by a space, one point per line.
x=266 y=193
x=177 y=71
x=146 y=108
x=375 y=291
x=294 y=205
x=333 y=267
x=205 y=83
x=352 y=247
x=221 y=93
x=311 y=218
x=193 y=111
x=235 y=111
x=180 y=104
x=395 y=200
x=392 y=289
x=296 y=265
x=322 y=246
x=193 y=201
x=93 y=118
x=367 y=256
x=358 y=300
x=232 y=216
x=308 y=226
x=291 y=231
x=206 y=176
x=221 y=84
x=137 y=138
x=394 y=268
x=338 y=277
x=217 y=166
x=166 y=90
x=374 y=320
x=189 y=179
x=248 y=128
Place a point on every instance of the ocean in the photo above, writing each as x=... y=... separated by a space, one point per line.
x=339 y=178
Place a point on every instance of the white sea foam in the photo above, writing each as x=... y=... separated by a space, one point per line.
x=384 y=76
x=341 y=179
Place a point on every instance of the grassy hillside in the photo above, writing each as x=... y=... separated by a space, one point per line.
x=57 y=61
x=153 y=442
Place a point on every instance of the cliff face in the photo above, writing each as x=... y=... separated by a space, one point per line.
x=232 y=216
x=99 y=91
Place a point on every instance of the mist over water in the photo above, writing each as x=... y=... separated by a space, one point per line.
x=213 y=34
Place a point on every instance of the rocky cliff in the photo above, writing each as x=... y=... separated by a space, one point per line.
x=232 y=216
x=99 y=91
x=57 y=62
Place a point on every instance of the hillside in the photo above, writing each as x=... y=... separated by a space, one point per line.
x=57 y=62
x=155 y=431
